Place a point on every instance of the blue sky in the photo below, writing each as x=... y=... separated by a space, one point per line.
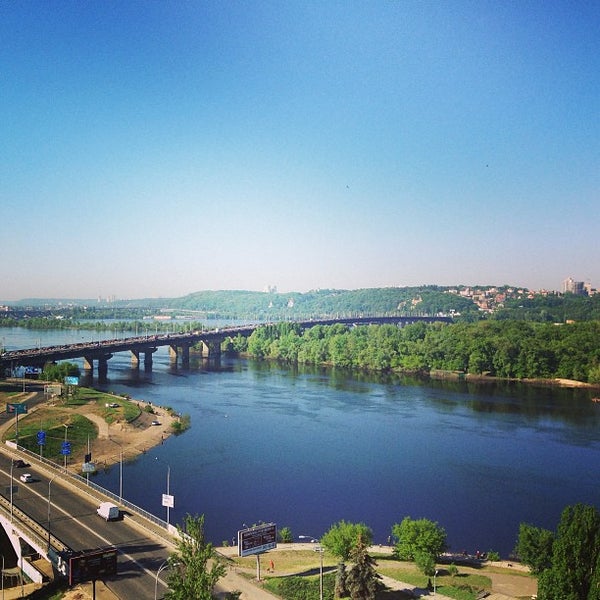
x=161 y=148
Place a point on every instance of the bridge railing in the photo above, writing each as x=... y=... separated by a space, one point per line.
x=85 y=486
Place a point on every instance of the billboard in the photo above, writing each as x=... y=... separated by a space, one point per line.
x=71 y=380
x=94 y=565
x=84 y=566
x=255 y=540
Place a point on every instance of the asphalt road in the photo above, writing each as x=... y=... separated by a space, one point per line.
x=74 y=521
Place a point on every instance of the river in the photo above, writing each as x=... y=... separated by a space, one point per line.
x=308 y=447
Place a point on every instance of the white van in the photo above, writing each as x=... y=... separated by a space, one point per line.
x=108 y=511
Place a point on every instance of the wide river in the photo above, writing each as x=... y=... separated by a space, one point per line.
x=308 y=447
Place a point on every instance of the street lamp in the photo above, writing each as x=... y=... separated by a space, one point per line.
x=434 y=576
x=165 y=565
x=320 y=550
x=120 y=468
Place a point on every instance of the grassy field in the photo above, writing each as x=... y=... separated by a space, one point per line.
x=305 y=564
x=53 y=416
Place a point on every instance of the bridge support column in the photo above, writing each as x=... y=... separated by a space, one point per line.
x=148 y=358
x=183 y=352
x=88 y=363
x=211 y=349
x=103 y=366
x=135 y=359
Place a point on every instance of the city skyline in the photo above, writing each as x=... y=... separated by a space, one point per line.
x=224 y=146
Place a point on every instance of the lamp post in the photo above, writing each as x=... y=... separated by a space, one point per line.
x=165 y=565
x=320 y=550
x=434 y=576
x=120 y=468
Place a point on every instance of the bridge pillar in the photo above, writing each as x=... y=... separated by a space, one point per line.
x=103 y=366
x=135 y=359
x=88 y=363
x=183 y=351
x=148 y=358
x=211 y=349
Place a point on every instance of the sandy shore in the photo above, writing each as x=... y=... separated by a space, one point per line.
x=132 y=438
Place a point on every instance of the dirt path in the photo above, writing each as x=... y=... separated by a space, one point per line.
x=133 y=438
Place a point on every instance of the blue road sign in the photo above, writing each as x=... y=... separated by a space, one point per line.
x=41 y=438
x=65 y=448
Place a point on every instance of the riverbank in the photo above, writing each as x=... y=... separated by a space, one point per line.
x=118 y=437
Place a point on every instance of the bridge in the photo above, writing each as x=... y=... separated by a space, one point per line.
x=208 y=342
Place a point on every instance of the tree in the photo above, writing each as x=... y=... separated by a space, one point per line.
x=362 y=580
x=341 y=591
x=534 y=547
x=285 y=535
x=420 y=535
x=425 y=562
x=575 y=556
x=195 y=570
x=343 y=537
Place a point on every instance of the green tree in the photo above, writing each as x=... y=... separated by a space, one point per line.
x=58 y=371
x=534 y=547
x=285 y=535
x=420 y=535
x=575 y=556
x=195 y=569
x=425 y=562
x=362 y=581
x=343 y=537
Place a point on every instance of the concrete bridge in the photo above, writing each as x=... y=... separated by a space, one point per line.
x=209 y=342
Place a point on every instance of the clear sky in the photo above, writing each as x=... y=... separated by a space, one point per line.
x=160 y=148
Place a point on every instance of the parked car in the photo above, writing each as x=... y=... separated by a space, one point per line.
x=26 y=478
x=155 y=422
x=19 y=463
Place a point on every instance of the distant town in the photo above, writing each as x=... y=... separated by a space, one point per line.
x=491 y=298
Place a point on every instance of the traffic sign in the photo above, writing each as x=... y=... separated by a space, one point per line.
x=65 y=448
x=41 y=438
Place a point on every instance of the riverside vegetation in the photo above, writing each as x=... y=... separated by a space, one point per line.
x=505 y=349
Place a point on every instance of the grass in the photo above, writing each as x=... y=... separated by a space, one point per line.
x=305 y=564
x=52 y=418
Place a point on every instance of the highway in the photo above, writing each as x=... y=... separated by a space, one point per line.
x=74 y=521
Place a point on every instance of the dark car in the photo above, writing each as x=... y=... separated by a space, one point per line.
x=20 y=464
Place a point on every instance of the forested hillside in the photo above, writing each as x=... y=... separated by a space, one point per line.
x=323 y=303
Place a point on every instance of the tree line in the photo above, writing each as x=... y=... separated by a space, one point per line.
x=505 y=349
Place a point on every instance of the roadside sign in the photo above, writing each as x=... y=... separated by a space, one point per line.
x=257 y=539
x=168 y=500
x=65 y=448
x=88 y=467
x=16 y=408
x=71 y=380
x=41 y=438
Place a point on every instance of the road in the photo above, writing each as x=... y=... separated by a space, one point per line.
x=74 y=521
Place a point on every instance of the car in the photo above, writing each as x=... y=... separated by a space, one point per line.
x=26 y=478
x=155 y=422
x=112 y=405
x=19 y=463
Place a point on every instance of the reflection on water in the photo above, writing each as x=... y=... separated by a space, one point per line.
x=308 y=446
